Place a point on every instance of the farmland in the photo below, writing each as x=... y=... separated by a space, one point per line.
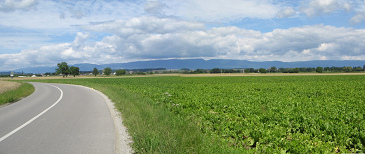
x=6 y=86
x=14 y=91
x=296 y=114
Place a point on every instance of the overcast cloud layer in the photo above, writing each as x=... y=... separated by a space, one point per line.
x=44 y=33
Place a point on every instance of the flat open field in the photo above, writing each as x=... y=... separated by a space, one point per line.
x=6 y=86
x=265 y=114
x=14 y=91
x=189 y=75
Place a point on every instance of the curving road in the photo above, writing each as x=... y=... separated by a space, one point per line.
x=58 y=118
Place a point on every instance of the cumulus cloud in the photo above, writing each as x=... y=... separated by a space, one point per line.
x=294 y=44
x=284 y=13
x=123 y=34
x=358 y=18
x=160 y=38
x=317 y=7
x=155 y=7
x=347 y=6
x=10 y=5
x=75 y=52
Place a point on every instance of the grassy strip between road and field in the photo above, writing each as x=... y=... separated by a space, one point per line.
x=13 y=95
x=154 y=128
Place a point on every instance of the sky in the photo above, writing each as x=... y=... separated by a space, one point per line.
x=46 y=32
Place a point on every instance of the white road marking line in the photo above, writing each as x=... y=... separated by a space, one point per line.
x=34 y=118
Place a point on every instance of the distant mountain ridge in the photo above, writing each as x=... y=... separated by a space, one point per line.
x=201 y=64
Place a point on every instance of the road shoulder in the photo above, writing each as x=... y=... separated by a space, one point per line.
x=123 y=139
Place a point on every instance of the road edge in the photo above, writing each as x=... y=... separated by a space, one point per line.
x=123 y=139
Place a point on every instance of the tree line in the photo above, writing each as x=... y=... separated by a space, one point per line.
x=273 y=69
x=346 y=69
x=65 y=70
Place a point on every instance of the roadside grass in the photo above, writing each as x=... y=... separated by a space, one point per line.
x=154 y=128
x=13 y=95
x=7 y=85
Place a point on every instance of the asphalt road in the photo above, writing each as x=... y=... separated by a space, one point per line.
x=57 y=118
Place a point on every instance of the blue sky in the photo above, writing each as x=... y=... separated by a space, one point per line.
x=46 y=32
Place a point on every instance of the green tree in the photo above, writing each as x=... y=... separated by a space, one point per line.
x=326 y=69
x=281 y=70
x=262 y=70
x=252 y=70
x=74 y=71
x=319 y=69
x=63 y=69
x=273 y=69
x=199 y=71
x=216 y=70
x=357 y=69
x=95 y=71
x=296 y=70
x=347 y=69
x=107 y=71
x=120 y=72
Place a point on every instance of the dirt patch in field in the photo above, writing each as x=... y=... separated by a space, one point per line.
x=7 y=85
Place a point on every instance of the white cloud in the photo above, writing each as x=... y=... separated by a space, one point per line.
x=347 y=6
x=78 y=14
x=11 y=5
x=124 y=31
x=318 y=7
x=161 y=38
x=155 y=7
x=53 y=21
x=287 y=12
x=358 y=18
x=66 y=14
x=221 y=11
x=232 y=42
x=81 y=38
x=143 y=25
x=17 y=42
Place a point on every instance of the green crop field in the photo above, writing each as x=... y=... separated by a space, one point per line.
x=296 y=114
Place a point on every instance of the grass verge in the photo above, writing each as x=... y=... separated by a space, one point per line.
x=14 y=95
x=154 y=128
